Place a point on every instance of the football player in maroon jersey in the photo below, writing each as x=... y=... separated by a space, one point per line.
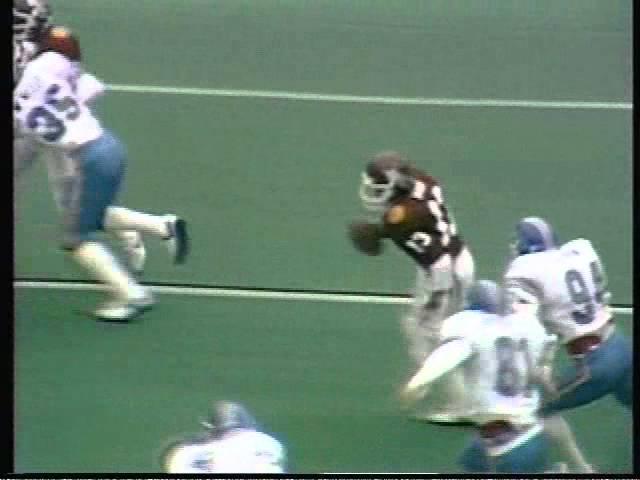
x=415 y=217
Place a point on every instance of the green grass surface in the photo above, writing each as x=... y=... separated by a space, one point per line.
x=105 y=398
x=268 y=187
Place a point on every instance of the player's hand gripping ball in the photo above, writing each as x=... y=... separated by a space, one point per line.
x=366 y=237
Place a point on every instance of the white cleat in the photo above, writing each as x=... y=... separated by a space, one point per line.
x=124 y=310
x=442 y=418
x=177 y=241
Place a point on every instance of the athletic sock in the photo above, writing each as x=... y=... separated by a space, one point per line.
x=128 y=238
x=120 y=218
x=101 y=263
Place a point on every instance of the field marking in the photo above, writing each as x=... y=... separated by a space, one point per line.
x=246 y=293
x=372 y=100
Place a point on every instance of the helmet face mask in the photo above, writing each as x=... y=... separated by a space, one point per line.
x=30 y=19
x=374 y=195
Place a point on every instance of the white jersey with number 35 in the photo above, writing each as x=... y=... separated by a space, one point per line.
x=497 y=375
x=567 y=284
x=48 y=105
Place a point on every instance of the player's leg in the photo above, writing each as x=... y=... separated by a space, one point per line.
x=101 y=165
x=623 y=390
x=170 y=228
x=596 y=374
x=61 y=170
x=589 y=378
x=559 y=432
x=474 y=458
x=438 y=294
x=25 y=153
x=532 y=456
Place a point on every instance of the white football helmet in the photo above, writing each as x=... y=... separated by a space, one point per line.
x=385 y=176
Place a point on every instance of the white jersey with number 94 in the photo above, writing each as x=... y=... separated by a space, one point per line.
x=567 y=285
x=48 y=105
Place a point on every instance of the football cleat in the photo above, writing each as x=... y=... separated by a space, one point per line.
x=450 y=419
x=177 y=241
x=124 y=310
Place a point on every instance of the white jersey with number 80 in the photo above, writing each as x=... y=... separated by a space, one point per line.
x=568 y=285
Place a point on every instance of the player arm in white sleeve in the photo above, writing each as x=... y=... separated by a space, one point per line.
x=455 y=348
x=543 y=371
x=89 y=88
x=181 y=459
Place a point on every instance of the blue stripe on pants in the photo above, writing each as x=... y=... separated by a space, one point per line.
x=102 y=166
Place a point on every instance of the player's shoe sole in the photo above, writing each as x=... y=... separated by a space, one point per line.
x=178 y=242
x=123 y=311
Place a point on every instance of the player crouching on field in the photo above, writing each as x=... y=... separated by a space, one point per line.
x=498 y=355
x=415 y=217
x=232 y=443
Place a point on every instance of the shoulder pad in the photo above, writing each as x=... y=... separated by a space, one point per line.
x=578 y=244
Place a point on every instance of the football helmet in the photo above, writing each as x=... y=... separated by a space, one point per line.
x=226 y=415
x=483 y=295
x=533 y=234
x=385 y=176
x=30 y=19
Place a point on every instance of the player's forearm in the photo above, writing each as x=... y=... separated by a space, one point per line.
x=444 y=359
x=89 y=87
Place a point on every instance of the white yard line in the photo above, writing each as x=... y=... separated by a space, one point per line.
x=245 y=293
x=372 y=100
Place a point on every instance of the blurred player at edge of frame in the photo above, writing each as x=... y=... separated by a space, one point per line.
x=415 y=217
x=566 y=286
x=33 y=33
x=498 y=355
x=231 y=443
x=50 y=106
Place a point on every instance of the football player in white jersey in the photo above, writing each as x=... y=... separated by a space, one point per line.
x=499 y=355
x=50 y=106
x=32 y=31
x=232 y=443
x=566 y=286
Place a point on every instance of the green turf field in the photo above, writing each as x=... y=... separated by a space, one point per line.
x=268 y=186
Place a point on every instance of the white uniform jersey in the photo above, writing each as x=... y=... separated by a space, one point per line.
x=497 y=374
x=237 y=451
x=568 y=285
x=48 y=105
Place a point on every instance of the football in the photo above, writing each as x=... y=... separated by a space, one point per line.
x=366 y=237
